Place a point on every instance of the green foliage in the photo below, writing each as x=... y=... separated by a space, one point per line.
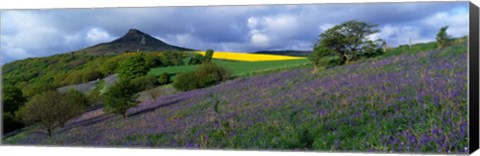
x=90 y=75
x=164 y=78
x=50 y=109
x=171 y=58
x=95 y=96
x=196 y=59
x=120 y=97
x=205 y=75
x=348 y=39
x=208 y=55
x=317 y=55
x=12 y=98
x=145 y=82
x=442 y=38
x=133 y=67
x=77 y=97
x=186 y=81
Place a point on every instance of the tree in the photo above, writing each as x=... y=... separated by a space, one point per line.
x=73 y=104
x=133 y=67
x=120 y=97
x=208 y=55
x=442 y=38
x=12 y=98
x=316 y=56
x=50 y=109
x=347 y=39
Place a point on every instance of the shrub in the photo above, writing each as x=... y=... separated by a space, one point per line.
x=145 y=82
x=205 y=75
x=210 y=74
x=164 y=79
x=90 y=75
x=120 y=97
x=186 y=81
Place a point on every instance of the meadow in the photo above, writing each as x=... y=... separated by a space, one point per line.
x=410 y=102
x=238 y=68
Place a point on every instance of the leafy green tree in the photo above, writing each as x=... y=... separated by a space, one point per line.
x=317 y=55
x=208 y=55
x=95 y=96
x=12 y=98
x=50 y=109
x=74 y=103
x=133 y=67
x=347 y=39
x=442 y=38
x=120 y=97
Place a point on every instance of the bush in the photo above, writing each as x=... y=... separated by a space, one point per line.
x=120 y=97
x=164 y=79
x=186 y=81
x=205 y=75
x=91 y=75
x=145 y=82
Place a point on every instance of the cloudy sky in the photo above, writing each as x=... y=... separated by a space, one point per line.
x=35 y=33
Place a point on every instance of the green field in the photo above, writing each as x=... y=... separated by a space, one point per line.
x=236 y=67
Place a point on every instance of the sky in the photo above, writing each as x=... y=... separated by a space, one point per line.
x=38 y=33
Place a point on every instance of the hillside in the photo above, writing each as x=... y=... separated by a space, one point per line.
x=386 y=104
x=133 y=41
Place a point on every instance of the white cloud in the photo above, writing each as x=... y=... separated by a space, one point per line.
x=271 y=30
x=456 y=19
x=97 y=35
x=325 y=27
x=259 y=40
x=399 y=35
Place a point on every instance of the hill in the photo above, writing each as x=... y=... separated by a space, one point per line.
x=384 y=104
x=134 y=40
x=285 y=52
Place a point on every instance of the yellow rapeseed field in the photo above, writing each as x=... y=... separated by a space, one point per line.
x=236 y=56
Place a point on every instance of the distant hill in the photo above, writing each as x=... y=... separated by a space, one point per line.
x=285 y=52
x=133 y=41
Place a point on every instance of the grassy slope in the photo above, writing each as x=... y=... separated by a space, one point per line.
x=237 y=68
x=407 y=103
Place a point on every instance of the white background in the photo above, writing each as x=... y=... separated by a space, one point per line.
x=74 y=151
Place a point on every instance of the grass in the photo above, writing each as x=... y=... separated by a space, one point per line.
x=237 y=68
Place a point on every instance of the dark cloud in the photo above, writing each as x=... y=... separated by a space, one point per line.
x=33 y=33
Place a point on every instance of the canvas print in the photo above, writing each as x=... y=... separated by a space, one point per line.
x=358 y=77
